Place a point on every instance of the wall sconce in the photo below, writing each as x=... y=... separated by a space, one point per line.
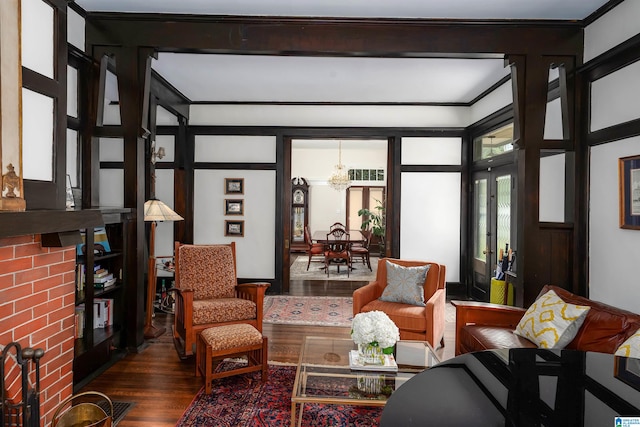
x=156 y=154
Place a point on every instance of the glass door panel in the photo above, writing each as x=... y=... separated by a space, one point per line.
x=354 y=204
x=480 y=238
x=503 y=211
x=492 y=228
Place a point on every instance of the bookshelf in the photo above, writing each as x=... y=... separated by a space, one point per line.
x=100 y=296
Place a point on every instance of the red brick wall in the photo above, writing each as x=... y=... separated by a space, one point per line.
x=37 y=300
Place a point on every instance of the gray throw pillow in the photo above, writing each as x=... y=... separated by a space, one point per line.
x=405 y=284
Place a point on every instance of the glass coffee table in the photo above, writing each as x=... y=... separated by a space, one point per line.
x=324 y=375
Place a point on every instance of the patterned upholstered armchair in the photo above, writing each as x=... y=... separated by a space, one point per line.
x=208 y=293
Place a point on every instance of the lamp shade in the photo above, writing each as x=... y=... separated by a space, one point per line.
x=156 y=210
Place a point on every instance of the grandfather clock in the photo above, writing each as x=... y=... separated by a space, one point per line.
x=299 y=213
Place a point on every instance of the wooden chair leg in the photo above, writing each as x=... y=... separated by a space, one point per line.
x=265 y=364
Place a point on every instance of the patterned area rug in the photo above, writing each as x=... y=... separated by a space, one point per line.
x=328 y=311
x=244 y=401
x=298 y=270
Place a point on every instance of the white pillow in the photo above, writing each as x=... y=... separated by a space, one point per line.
x=631 y=347
x=550 y=322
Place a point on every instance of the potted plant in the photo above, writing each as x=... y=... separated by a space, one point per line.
x=375 y=220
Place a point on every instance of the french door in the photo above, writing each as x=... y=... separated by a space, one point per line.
x=493 y=205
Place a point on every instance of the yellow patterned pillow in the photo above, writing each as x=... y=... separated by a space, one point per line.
x=550 y=322
x=631 y=347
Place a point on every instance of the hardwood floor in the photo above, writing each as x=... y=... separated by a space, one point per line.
x=163 y=386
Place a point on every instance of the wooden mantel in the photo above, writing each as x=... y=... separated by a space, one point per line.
x=48 y=221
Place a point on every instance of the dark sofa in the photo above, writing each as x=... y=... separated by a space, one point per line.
x=483 y=326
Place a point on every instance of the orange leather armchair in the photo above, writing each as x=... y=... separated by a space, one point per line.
x=208 y=293
x=415 y=322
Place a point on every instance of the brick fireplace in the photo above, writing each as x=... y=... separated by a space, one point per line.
x=37 y=300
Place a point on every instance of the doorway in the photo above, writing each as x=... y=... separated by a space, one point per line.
x=492 y=228
x=315 y=160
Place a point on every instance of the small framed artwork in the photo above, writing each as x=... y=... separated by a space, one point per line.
x=234 y=186
x=234 y=228
x=627 y=370
x=629 y=184
x=233 y=207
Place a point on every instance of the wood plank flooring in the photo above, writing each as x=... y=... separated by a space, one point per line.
x=163 y=386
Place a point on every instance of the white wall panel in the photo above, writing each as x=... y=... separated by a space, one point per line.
x=72 y=92
x=111 y=150
x=72 y=156
x=613 y=252
x=431 y=151
x=430 y=219
x=328 y=115
x=499 y=98
x=112 y=187
x=553 y=120
x=165 y=118
x=614 y=97
x=75 y=29
x=37 y=136
x=37 y=46
x=235 y=148
x=164 y=230
x=256 y=250
x=613 y=28
x=552 y=184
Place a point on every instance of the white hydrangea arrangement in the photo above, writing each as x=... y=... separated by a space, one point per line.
x=374 y=328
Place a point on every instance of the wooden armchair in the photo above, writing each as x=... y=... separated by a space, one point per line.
x=208 y=293
x=362 y=250
x=415 y=322
x=313 y=249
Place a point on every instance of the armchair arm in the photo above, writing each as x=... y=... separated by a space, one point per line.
x=254 y=292
x=364 y=295
x=183 y=311
x=482 y=313
x=435 y=314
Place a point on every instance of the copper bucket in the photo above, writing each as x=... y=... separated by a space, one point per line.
x=85 y=413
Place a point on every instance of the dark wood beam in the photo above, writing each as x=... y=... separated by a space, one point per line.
x=333 y=37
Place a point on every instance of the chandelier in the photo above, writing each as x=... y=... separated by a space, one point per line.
x=339 y=179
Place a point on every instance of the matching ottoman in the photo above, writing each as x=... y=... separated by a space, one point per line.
x=219 y=342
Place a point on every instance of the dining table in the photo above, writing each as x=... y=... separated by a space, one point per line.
x=323 y=236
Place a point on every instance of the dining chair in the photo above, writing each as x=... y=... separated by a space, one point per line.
x=337 y=225
x=313 y=249
x=338 y=249
x=361 y=250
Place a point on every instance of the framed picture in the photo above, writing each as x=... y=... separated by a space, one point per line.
x=234 y=186
x=629 y=184
x=233 y=207
x=627 y=370
x=234 y=228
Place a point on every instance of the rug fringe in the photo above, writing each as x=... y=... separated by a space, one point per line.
x=270 y=362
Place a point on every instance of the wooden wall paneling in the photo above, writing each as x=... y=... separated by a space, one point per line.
x=183 y=181
x=133 y=70
x=333 y=36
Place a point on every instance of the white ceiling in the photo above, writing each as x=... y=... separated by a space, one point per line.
x=254 y=78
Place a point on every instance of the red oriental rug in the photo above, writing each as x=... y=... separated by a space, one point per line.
x=292 y=310
x=244 y=401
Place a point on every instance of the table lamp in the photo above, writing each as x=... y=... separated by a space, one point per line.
x=154 y=211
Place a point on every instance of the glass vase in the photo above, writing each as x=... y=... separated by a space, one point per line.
x=370 y=354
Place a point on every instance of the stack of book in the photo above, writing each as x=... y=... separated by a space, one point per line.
x=102 y=279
